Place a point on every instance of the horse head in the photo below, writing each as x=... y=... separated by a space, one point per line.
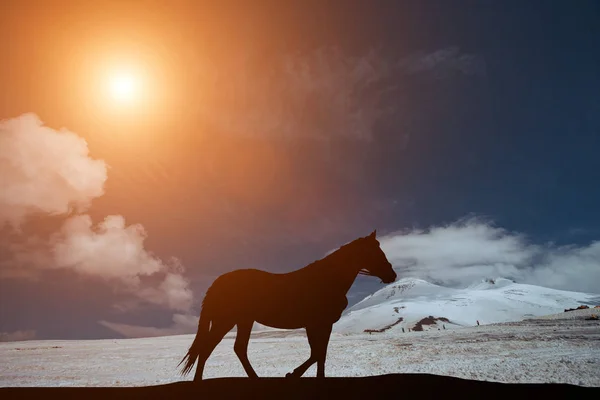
x=373 y=261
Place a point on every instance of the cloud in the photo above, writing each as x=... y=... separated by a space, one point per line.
x=43 y=170
x=49 y=172
x=444 y=61
x=182 y=325
x=471 y=249
x=323 y=94
x=17 y=336
x=320 y=94
x=110 y=250
x=114 y=251
x=173 y=292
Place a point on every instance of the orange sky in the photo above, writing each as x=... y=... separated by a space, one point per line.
x=175 y=161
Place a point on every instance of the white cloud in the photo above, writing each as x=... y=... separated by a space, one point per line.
x=49 y=172
x=114 y=251
x=43 y=170
x=173 y=292
x=469 y=250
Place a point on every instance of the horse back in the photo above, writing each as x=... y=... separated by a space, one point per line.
x=278 y=300
x=244 y=288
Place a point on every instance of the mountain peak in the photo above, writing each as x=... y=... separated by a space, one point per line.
x=491 y=300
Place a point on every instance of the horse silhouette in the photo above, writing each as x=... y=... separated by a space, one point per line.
x=312 y=297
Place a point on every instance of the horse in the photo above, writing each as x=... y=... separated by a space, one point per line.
x=312 y=298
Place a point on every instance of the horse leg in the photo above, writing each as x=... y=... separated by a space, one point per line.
x=318 y=337
x=321 y=343
x=218 y=329
x=241 y=346
x=298 y=372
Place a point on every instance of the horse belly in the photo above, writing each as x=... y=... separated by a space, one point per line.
x=285 y=314
x=298 y=313
x=329 y=310
x=282 y=322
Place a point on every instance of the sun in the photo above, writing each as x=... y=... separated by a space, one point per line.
x=123 y=87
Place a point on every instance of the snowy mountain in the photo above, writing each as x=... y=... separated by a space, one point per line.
x=420 y=305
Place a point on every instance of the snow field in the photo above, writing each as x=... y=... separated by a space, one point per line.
x=524 y=337
x=561 y=351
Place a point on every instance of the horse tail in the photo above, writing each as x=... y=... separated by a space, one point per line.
x=194 y=351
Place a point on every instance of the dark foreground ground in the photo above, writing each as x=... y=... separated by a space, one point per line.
x=409 y=386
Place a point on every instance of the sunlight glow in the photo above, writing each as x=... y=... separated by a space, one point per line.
x=123 y=87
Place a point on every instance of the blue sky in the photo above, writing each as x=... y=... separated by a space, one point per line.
x=519 y=145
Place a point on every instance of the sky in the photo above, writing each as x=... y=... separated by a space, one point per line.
x=265 y=135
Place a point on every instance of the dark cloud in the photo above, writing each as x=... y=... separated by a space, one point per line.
x=321 y=94
x=443 y=62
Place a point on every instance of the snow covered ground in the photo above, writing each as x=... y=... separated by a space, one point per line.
x=555 y=349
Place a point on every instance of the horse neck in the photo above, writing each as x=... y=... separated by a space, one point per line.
x=342 y=270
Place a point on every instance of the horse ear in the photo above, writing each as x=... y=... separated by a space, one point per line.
x=373 y=234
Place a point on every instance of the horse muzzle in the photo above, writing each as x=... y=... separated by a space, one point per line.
x=389 y=279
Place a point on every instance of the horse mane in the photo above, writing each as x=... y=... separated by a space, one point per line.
x=362 y=271
x=328 y=258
